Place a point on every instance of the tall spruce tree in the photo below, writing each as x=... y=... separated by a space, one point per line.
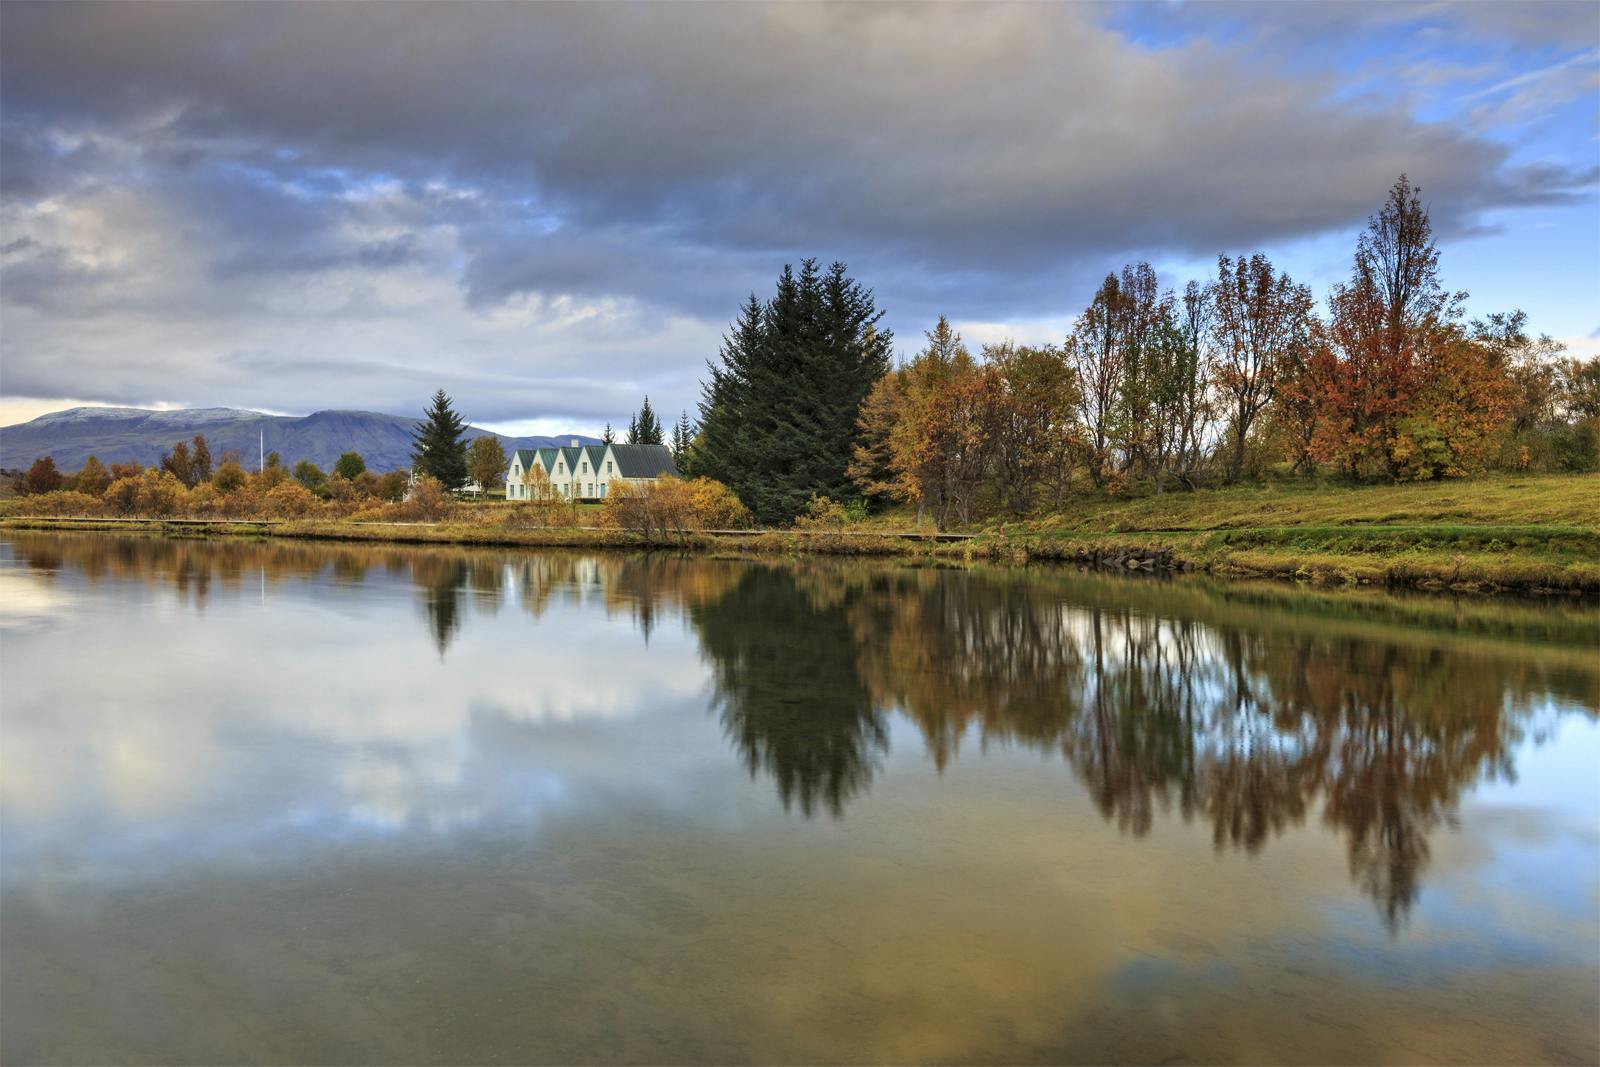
x=682 y=435
x=439 y=448
x=645 y=427
x=777 y=418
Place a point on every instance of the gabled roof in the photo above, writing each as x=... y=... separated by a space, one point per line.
x=527 y=455
x=643 y=461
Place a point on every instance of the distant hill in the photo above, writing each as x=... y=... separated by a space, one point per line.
x=118 y=435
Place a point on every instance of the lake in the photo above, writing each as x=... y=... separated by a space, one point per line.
x=280 y=802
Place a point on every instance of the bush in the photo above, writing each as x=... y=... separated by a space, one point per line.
x=392 y=486
x=160 y=493
x=537 y=514
x=670 y=508
x=291 y=500
x=122 y=495
x=65 y=502
x=204 y=501
x=428 y=501
x=821 y=513
x=229 y=478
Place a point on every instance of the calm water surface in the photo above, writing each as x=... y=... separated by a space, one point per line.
x=268 y=803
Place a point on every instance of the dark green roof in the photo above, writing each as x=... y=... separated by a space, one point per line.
x=527 y=456
x=644 y=461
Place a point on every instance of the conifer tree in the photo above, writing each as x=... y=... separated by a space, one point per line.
x=778 y=415
x=645 y=427
x=608 y=437
x=440 y=449
x=682 y=435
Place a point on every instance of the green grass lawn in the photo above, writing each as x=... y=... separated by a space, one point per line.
x=1526 y=502
x=1532 y=532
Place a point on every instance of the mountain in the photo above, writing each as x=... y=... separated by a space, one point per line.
x=117 y=435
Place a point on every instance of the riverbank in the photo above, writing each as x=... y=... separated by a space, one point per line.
x=1521 y=535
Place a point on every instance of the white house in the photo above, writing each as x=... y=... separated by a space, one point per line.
x=583 y=471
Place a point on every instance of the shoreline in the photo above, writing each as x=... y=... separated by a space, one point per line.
x=1553 y=561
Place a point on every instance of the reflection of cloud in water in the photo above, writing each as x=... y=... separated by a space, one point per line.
x=321 y=717
x=27 y=603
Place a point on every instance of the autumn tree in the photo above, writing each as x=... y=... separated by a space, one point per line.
x=872 y=468
x=1387 y=324
x=199 y=460
x=1188 y=409
x=1140 y=318
x=42 y=477
x=1580 y=388
x=94 y=477
x=942 y=441
x=1095 y=353
x=1033 y=429
x=1464 y=401
x=486 y=460
x=1261 y=329
x=179 y=464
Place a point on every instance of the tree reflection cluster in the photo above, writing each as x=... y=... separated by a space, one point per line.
x=1158 y=699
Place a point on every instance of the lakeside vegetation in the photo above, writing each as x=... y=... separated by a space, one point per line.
x=1500 y=533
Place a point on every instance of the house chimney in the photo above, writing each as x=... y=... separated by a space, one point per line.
x=574 y=442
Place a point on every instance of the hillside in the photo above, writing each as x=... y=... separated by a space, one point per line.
x=117 y=435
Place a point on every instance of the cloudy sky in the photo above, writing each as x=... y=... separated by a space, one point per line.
x=552 y=210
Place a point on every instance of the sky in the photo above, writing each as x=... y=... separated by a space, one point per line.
x=551 y=211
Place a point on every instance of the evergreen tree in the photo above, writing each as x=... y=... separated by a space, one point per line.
x=778 y=415
x=645 y=427
x=607 y=437
x=440 y=449
x=682 y=435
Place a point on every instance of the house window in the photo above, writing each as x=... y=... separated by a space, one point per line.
x=591 y=489
x=608 y=466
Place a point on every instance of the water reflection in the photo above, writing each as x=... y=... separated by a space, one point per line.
x=1249 y=711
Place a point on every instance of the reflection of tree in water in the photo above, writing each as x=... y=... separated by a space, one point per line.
x=787 y=688
x=1248 y=728
x=441 y=580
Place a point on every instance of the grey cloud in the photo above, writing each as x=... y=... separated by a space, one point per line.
x=297 y=205
x=994 y=134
